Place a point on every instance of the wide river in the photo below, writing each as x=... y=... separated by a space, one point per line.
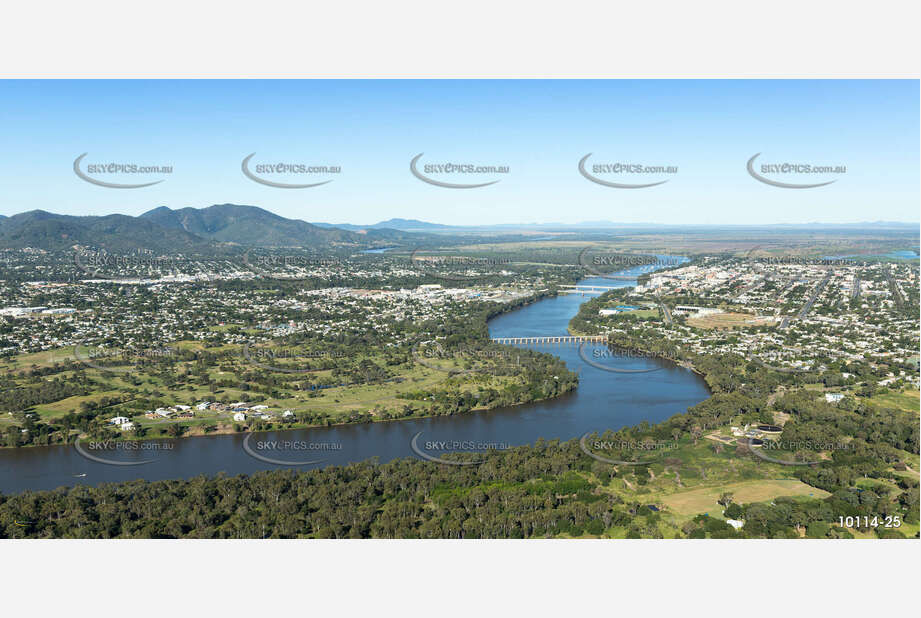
x=603 y=400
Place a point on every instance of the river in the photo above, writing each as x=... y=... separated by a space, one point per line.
x=603 y=400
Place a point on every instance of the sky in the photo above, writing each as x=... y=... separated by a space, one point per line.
x=708 y=129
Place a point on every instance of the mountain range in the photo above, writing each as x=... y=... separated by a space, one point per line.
x=247 y=225
x=216 y=228
x=228 y=227
x=116 y=233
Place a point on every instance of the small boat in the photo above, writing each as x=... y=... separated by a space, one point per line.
x=80 y=475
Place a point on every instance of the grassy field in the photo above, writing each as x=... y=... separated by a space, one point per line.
x=688 y=481
x=728 y=320
x=38 y=359
x=704 y=499
x=906 y=400
x=643 y=314
x=62 y=407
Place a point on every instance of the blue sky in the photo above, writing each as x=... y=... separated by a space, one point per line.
x=540 y=129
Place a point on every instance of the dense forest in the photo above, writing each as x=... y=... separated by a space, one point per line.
x=550 y=489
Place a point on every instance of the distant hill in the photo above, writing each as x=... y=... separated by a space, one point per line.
x=405 y=225
x=116 y=233
x=216 y=228
x=414 y=225
x=249 y=225
x=409 y=224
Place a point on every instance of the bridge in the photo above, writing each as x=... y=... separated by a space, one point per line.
x=553 y=339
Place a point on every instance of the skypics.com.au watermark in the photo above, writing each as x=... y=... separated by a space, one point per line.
x=261 y=172
x=290 y=268
x=274 y=451
x=105 y=265
x=608 y=264
x=127 y=446
x=792 y=260
x=612 y=359
x=287 y=359
x=455 y=170
x=425 y=448
x=118 y=170
x=623 y=171
x=457 y=268
x=803 y=452
x=617 y=452
x=758 y=256
x=770 y=173
x=485 y=360
x=120 y=360
x=123 y=451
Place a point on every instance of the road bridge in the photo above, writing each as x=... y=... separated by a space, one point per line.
x=553 y=339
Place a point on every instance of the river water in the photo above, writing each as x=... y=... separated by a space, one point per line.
x=603 y=400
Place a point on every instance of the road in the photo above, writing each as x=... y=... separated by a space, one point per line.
x=894 y=290
x=666 y=313
x=815 y=294
x=785 y=322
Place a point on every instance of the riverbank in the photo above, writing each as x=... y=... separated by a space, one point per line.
x=599 y=403
x=363 y=406
x=229 y=429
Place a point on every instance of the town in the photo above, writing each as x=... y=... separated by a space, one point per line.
x=796 y=315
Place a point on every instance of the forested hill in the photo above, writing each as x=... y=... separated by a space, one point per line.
x=215 y=229
x=248 y=225
x=118 y=233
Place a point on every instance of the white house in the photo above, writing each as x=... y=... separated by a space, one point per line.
x=260 y=407
x=833 y=397
x=203 y=405
x=287 y=413
x=119 y=420
x=239 y=416
x=181 y=407
x=127 y=426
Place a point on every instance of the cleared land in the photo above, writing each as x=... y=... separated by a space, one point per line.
x=704 y=499
x=729 y=320
x=907 y=400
